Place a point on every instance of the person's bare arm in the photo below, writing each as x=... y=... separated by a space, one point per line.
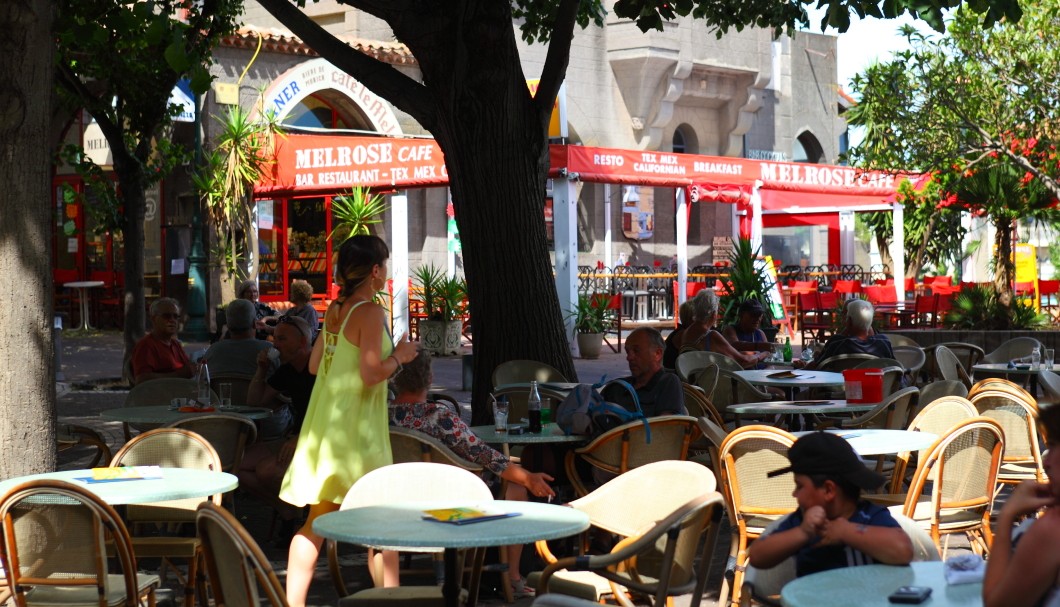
x=535 y=482
x=746 y=346
x=365 y=329
x=771 y=550
x=260 y=393
x=1022 y=578
x=719 y=344
x=889 y=545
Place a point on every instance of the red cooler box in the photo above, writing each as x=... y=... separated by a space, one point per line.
x=863 y=385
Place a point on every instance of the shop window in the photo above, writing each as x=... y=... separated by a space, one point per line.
x=684 y=140
x=271 y=256
x=307 y=235
x=797 y=245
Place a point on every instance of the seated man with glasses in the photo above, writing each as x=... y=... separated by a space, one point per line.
x=159 y=354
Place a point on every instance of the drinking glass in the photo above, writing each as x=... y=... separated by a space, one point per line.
x=500 y=415
x=1036 y=358
x=225 y=390
x=807 y=350
x=1049 y=358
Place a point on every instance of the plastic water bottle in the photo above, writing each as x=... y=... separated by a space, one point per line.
x=533 y=409
x=202 y=382
x=787 y=350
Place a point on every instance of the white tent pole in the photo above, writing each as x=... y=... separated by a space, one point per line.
x=565 y=240
x=682 y=246
x=898 y=251
x=399 y=261
x=846 y=237
x=607 y=226
x=756 y=217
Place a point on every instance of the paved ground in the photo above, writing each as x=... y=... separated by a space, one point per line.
x=91 y=364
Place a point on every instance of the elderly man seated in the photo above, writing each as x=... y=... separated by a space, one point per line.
x=857 y=336
x=658 y=390
x=237 y=353
x=410 y=409
x=159 y=353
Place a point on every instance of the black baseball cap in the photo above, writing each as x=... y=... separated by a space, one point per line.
x=822 y=453
x=751 y=305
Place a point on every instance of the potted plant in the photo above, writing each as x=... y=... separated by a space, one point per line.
x=747 y=280
x=443 y=300
x=590 y=320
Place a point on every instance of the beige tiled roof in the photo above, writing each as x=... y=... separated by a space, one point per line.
x=280 y=41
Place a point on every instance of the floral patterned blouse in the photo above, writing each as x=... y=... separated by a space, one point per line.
x=439 y=421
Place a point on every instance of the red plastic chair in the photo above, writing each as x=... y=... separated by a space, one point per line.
x=847 y=287
x=1049 y=297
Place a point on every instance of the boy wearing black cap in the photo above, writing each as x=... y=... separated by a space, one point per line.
x=833 y=527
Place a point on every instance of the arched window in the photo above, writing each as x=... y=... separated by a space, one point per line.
x=327 y=110
x=806 y=148
x=684 y=140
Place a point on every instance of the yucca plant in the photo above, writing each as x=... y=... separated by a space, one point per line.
x=355 y=213
x=747 y=280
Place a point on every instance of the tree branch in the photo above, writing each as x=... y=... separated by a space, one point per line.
x=555 y=69
x=383 y=79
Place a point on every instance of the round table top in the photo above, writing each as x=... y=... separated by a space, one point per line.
x=403 y=525
x=1005 y=369
x=550 y=433
x=789 y=407
x=162 y=414
x=881 y=441
x=175 y=484
x=869 y=586
x=802 y=379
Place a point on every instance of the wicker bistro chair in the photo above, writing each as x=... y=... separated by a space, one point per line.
x=902 y=341
x=707 y=380
x=842 y=362
x=948 y=367
x=938 y=417
x=239 y=572
x=240 y=385
x=659 y=562
x=997 y=384
x=929 y=393
x=892 y=413
x=965 y=464
x=690 y=363
x=173 y=448
x=1023 y=457
x=752 y=500
x=156 y=392
x=55 y=539
x=699 y=405
x=408 y=482
x=912 y=360
x=1050 y=383
x=735 y=390
x=523 y=371
x=69 y=436
x=228 y=433
x=1016 y=347
x=412 y=446
x=626 y=447
x=625 y=506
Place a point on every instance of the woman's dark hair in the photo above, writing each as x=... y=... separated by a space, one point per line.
x=357 y=256
x=415 y=376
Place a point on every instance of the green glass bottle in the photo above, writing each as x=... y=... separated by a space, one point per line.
x=787 y=350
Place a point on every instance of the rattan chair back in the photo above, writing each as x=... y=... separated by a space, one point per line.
x=752 y=499
x=688 y=364
x=240 y=386
x=239 y=572
x=229 y=434
x=902 y=341
x=707 y=380
x=1023 y=456
x=626 y=447
x=55 y=538
x=523 y=371
x=892 y=413
x=939 y=418
x=842 y=362
x=698 y=404
x=947 y=367
x=411 y=446
x=937 y=389
x=1017 y=347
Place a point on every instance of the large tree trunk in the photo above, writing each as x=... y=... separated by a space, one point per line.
x=1004 y=266
x=130 y=178
x=27 y=368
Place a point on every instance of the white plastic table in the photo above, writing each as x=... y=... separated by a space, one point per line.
x=869 y=586
x=398 y=525
x=162 y=414
x=802 y=379
x=550 y=434
x=798 y=407
x=82 y=286
x=882 y=442
x=175 y=484
x=1029 y=373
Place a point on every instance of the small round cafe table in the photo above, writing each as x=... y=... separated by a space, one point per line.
x=550 y=434
x=870 y=585
x=82 y=287
x=175 y=484
x=872 y=441
x=1028 y=373
x=402 y=524
x=798 y=407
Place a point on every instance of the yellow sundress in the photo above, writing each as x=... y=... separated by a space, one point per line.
x=345 y=434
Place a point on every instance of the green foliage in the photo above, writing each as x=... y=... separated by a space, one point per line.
x=978 y=308
x=747 y=280
x=590 y=314
x=242 y=154
x=537 y=16
x=356 y=213
x=443 y=296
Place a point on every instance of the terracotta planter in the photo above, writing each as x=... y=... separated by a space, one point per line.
x=440 y=337
x=589 y=344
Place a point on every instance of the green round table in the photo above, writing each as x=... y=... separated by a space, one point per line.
x=870 y=585
x=175 y=484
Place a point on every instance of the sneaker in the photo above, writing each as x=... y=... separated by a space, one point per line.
x=520 y=589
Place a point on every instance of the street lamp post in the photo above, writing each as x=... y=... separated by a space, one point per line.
x=196 y=329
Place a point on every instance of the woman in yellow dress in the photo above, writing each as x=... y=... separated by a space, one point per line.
x=345 y=434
